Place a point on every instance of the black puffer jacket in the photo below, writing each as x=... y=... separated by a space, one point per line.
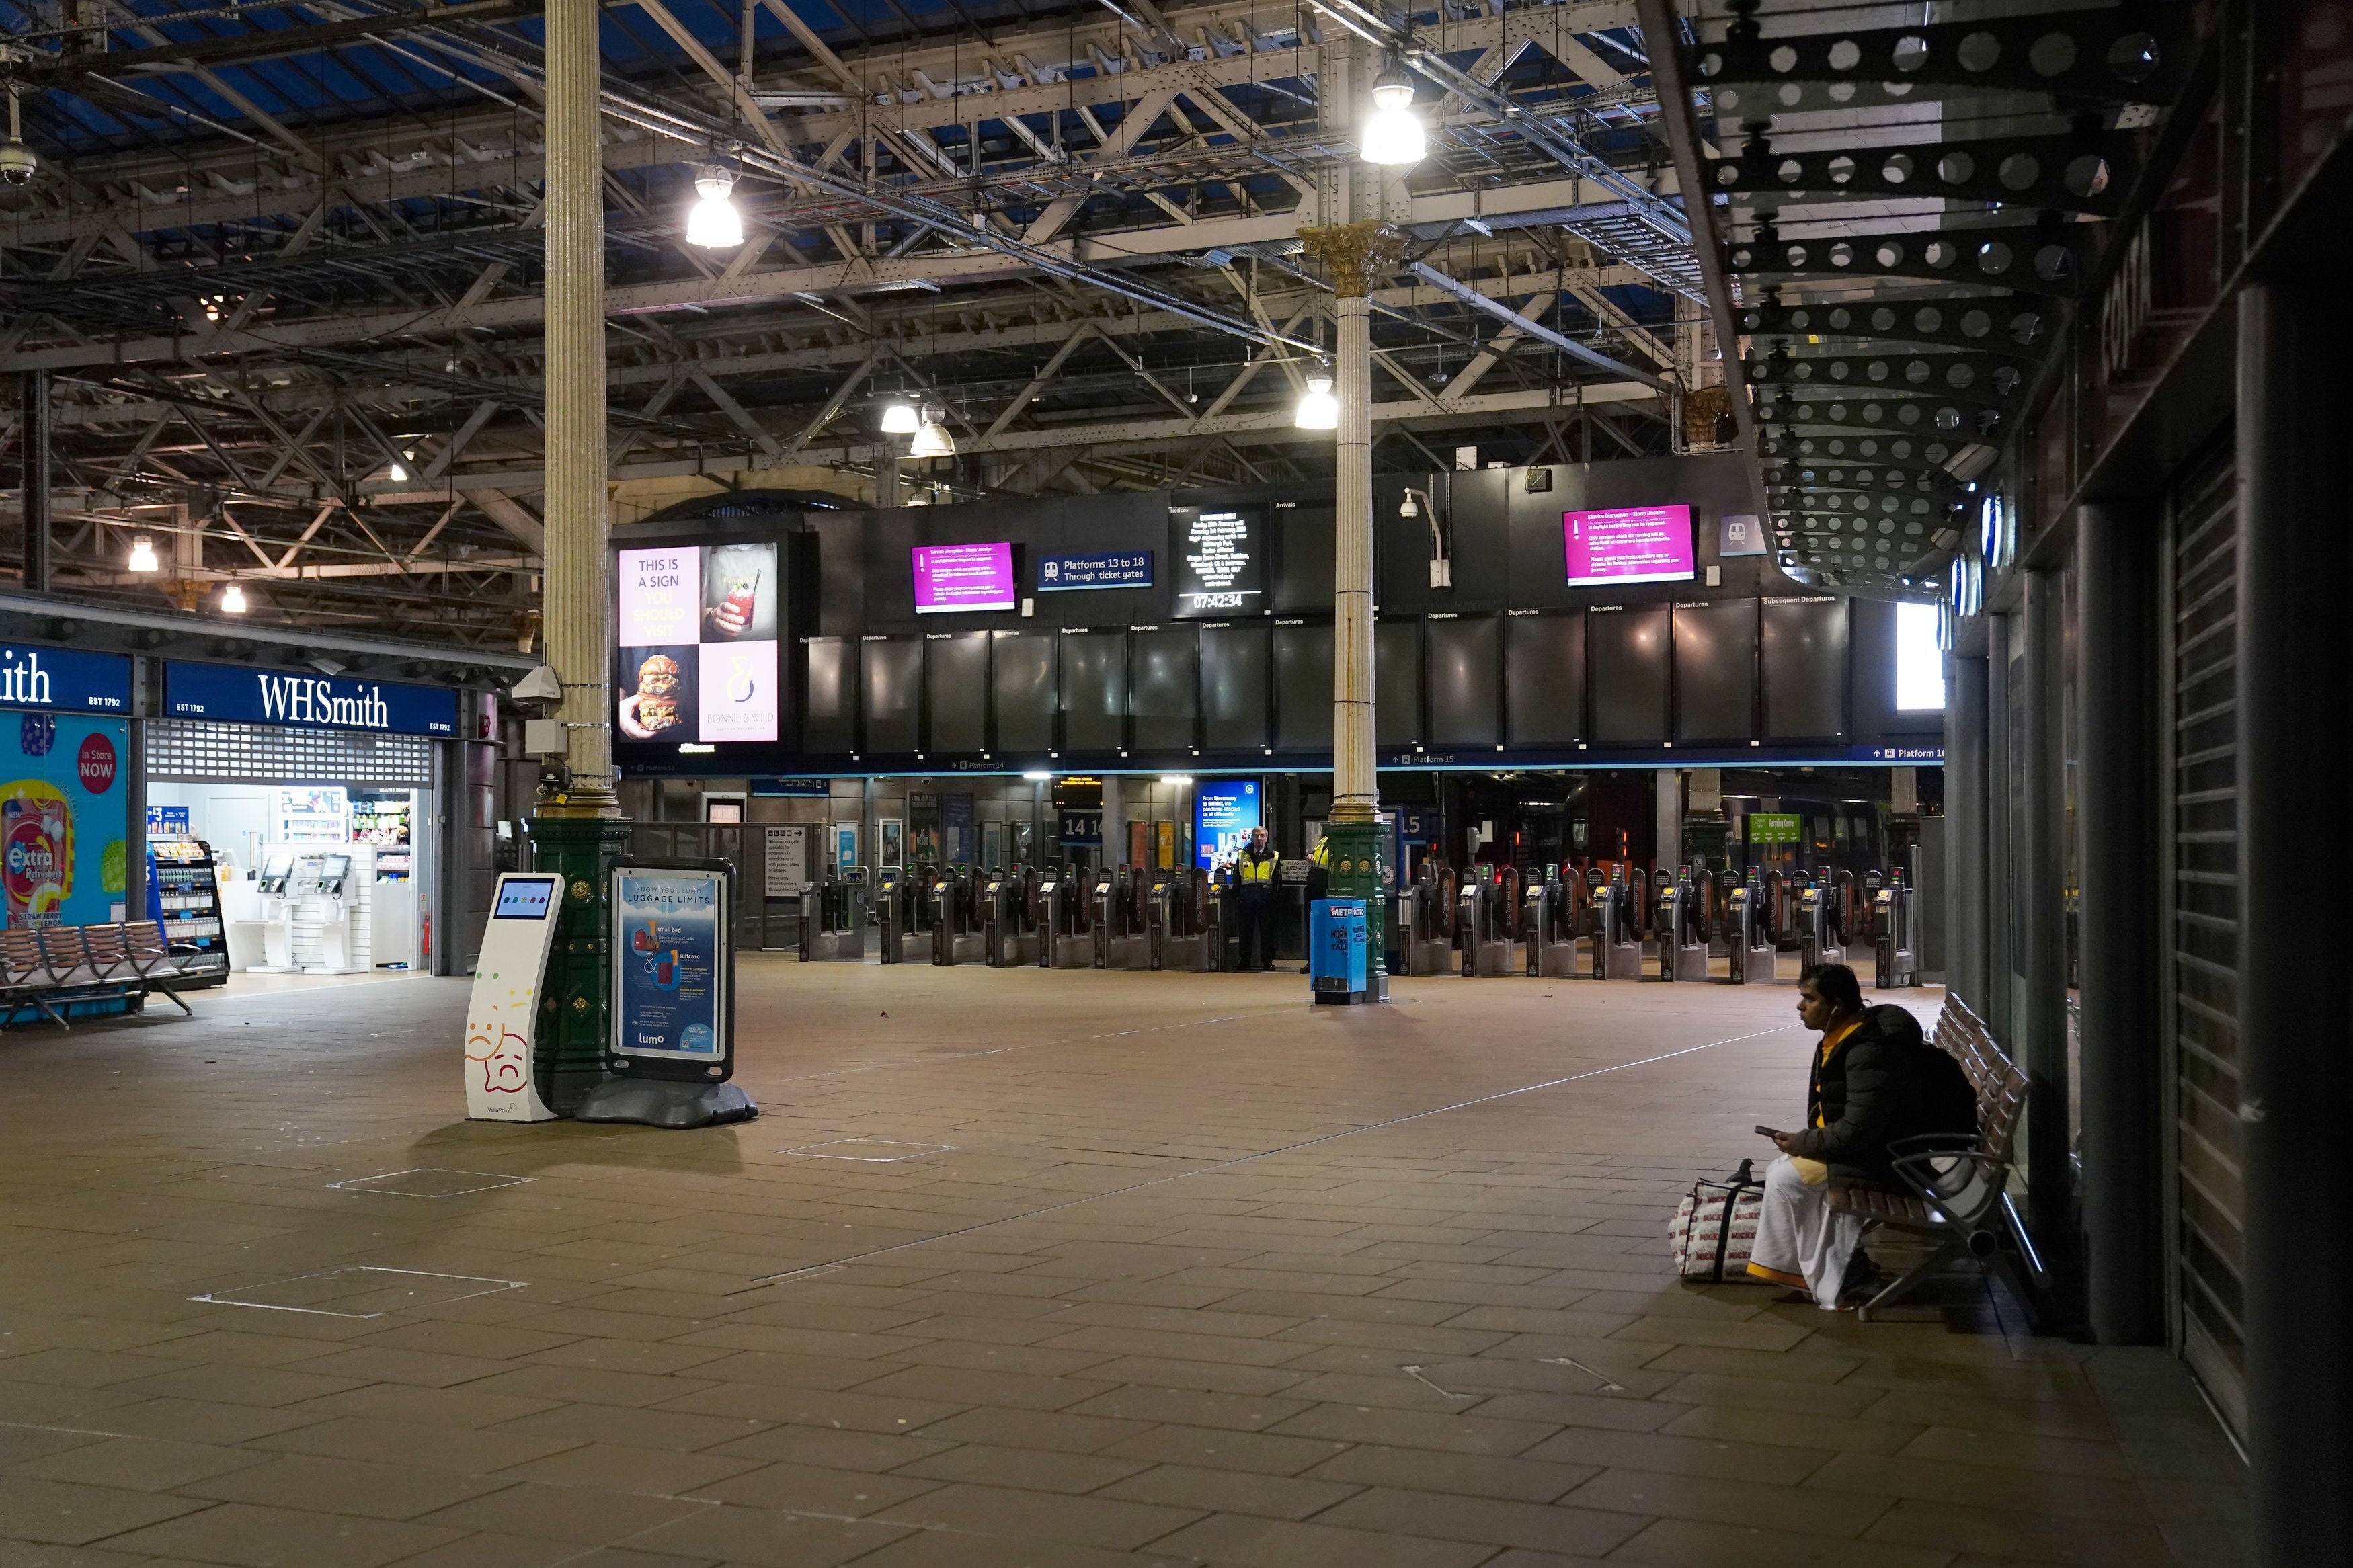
x=1885 y=1081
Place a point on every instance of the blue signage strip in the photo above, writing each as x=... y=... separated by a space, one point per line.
x=1064 y=573
x=64 y=679
x=238 y=694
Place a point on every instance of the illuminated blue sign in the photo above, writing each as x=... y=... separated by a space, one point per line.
x=240 y=694
x=64 y=680
x=1224 y=812
x=1124 y=569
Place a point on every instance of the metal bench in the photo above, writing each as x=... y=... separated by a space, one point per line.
x=1953 y=1191
x=48 y=964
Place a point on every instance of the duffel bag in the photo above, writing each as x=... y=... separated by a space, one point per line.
x=1716 y=1227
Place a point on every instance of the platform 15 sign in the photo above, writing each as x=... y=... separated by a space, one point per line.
x=239 y=694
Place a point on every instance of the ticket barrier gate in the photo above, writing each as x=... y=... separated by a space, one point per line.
x=1754 y=956
x=1425 y=916
x=1008 y=929
x=1482 y=921
x=1891 y=931
x=1617 y=930
x=1683 y=927
x=956 y=935
x=1822 y=918
x=1067 y=933
x=1123 y=934
x=1548 y=926
x=903 y=913
x=833 y=918
x=1185 y=912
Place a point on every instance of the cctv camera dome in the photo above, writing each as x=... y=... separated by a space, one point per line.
x=17 y=164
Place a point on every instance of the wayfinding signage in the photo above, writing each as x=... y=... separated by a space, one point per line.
x=1774 y=826
x=240 y=694
x=1120 y=569
x=671 y=964
x=1221 y=560
x=64 y=679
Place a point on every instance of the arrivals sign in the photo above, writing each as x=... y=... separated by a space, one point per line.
x=240 y=694
x=63 y=678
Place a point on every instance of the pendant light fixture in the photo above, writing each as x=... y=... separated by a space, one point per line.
x=932 y=439
x=899 y=418
x=714 y=223
x=1318 y=409
x=1393 y=135
x=143 y=554
x=233 y=600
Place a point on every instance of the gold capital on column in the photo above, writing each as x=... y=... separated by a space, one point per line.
x=1359 y=256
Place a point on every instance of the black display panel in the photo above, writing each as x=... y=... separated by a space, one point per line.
x=956 y=684
x=1627 y=650
x=1544 y=680
x=1166 y=703
x=1233 y=688
x=1715 y=670
x=1302 y=688
x=1464 y=673
x=892 y=681
x=1396 y=683
x=1805 y=669
x=1303 y=564
x=1022 y=677
x=1217 y=560
x=1094 y=691
x=829 y=724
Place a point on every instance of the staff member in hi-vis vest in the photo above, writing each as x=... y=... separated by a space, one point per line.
x=1319 y=881
x=1254 y=870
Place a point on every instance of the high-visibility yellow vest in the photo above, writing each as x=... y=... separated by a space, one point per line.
x=1323 y=854
x=1256 y=868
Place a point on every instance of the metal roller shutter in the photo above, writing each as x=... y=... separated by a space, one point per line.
x=178 y=751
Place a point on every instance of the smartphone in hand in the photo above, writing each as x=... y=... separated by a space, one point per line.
x=1768 y=1132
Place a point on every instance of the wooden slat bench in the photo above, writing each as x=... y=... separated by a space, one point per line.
x=44 y=966
x=1952 y=1187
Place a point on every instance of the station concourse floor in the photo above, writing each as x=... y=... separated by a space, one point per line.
x=1017 y=1269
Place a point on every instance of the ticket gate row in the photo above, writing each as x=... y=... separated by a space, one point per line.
x=833 y=918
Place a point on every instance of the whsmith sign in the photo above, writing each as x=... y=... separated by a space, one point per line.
x=64 y=679
x=237 y=695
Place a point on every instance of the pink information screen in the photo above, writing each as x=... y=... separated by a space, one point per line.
x=1628 y=544
x=965 y=578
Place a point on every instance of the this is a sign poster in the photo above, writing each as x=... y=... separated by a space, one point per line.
x=697 y=656
x=668 y=928
x=1220 y=561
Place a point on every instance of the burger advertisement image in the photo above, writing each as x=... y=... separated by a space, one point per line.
x=698 y=658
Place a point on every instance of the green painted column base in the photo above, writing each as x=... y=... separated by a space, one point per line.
x=576 y=998
x=1357 y=850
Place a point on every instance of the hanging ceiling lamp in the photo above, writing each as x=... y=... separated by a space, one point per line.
x=1394 y=134
x=143 y=554
x=1318 y=409
x=714 y=223
x=899 y=418
x=233 y=600
x=932 y=439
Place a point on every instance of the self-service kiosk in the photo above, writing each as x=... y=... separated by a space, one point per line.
x=1891 y=933
x=1753 y=958
x=503 y=1011
x=1683 y=927
x=1616 y=934
x=276 y=883
x=330 y=887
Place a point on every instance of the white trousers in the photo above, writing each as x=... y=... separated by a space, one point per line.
x=1797 y=1234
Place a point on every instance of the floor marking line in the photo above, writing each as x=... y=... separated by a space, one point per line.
x=1262 y=1155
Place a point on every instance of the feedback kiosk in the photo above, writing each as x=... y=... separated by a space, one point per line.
x=275 y=882
x=502 y=1013
x=672 y=1047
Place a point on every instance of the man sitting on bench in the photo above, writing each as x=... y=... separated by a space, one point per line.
x=1875 y=1079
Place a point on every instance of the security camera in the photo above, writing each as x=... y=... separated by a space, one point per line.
x=18 y=163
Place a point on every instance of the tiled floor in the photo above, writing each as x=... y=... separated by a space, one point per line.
x=1016 y=1268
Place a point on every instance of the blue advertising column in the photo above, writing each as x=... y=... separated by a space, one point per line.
x=1339 y=952
x=672 y=1047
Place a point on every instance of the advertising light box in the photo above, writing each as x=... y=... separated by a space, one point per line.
x=1224 y=812
x=965 y=578
x=697 y=661
x=1627 y=545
